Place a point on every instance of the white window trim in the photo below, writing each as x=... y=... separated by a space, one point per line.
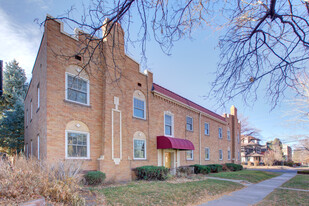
x=31 y=108
x=38 y=91
x=192 y=155
x=228 y=134
x=145 y=150
x=208 y=153
x=144 y=107
x=208 y=128
x=221 y=155
x=66 y=144
x=31 y=151
x=27 y=117
x=187 y=123
x=27 y=146
x=172 y=130
x=66 y=89
x=38 y=147
x=228 y=154
x=219 y=132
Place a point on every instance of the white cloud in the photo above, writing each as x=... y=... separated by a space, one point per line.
x=19 y=41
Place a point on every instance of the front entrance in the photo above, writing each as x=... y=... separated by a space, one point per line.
x=167 y=160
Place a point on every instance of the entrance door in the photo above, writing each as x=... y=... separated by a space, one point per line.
x=167 y=159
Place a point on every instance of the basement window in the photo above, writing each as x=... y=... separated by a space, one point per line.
x=77 y=57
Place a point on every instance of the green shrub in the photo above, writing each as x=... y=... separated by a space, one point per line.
x=151 y=173
x=304 y=172
x=201 y=169
x=94 y=177
x=215 y=168
x=234 y=167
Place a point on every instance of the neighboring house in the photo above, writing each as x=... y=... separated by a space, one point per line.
x=112 y=116
x=287 y=152
x=251 y=150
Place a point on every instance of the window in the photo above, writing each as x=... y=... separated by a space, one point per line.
x=189 y=155
x=139 y=149
x=220 y=132
x=139 y=108
x=168 y=124
x=228 y=134
x=220 y=154
x=27 y=150
x=238 y=156
x=207 y=153
x=38 y=147
x=206 y=129
x=189 y=124
x=77 y=145
x=38 y=95
x=30 y=110
x=238 y=137
x=77 y=89
x=229 y=154
x=31 y=153
x=27 y=117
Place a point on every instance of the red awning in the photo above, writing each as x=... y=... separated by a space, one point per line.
x=164 y=142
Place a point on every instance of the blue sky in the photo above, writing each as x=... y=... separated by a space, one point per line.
x=188 y=71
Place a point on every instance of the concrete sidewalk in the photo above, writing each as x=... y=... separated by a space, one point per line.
x=252 y=194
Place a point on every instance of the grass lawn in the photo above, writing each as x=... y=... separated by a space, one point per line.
x=164 y=193
x=281 y=197
x=299 y=182
x=252 y=176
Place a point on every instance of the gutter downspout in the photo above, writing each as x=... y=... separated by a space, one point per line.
x=200 y=136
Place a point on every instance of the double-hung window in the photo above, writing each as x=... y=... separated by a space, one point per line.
x=31 y=110
x=139 y=149
x=189 y=124
x=220 y=132
x=38 y=88
x=237 y=137
x=38 y=147
x=77 y=89
x=229 y=155
x=138 y=108
x=189 y=155
x=228 y=135
x=168 y=124
x=220 y=154
x=77 y=145
x=207 y=153
x=206 y=129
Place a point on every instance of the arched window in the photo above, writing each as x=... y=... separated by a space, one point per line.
x=139 y=146
x=76 y=85
x=77 y=141
x=139 y=105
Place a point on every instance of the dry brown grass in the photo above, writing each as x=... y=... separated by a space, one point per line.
x=22 y=180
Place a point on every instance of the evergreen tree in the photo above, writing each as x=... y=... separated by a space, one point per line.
x=12 y=107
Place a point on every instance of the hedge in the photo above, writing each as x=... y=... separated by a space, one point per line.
x=304 y=172
x=201 y=169
x=94 y=177
x=215 y=168
x=234 y=167
x=151 y=173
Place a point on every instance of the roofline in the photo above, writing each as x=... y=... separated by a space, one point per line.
x=188 y=107
x=34 y=64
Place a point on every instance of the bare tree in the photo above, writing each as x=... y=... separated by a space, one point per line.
x=247 y=129
x=262 y=40
x=277 y=152
x=269 y=157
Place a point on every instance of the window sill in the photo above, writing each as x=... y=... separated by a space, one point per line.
x=206 y=134
x=139 y=118
x=189 y=130
x=76 y=158
x=140 y=159
x=207 y=159
x=76 y=103
x=190 y=159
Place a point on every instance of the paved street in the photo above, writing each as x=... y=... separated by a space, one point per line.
x=252 y=194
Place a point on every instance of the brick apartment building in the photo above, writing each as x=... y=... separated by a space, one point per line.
x=116 y=119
